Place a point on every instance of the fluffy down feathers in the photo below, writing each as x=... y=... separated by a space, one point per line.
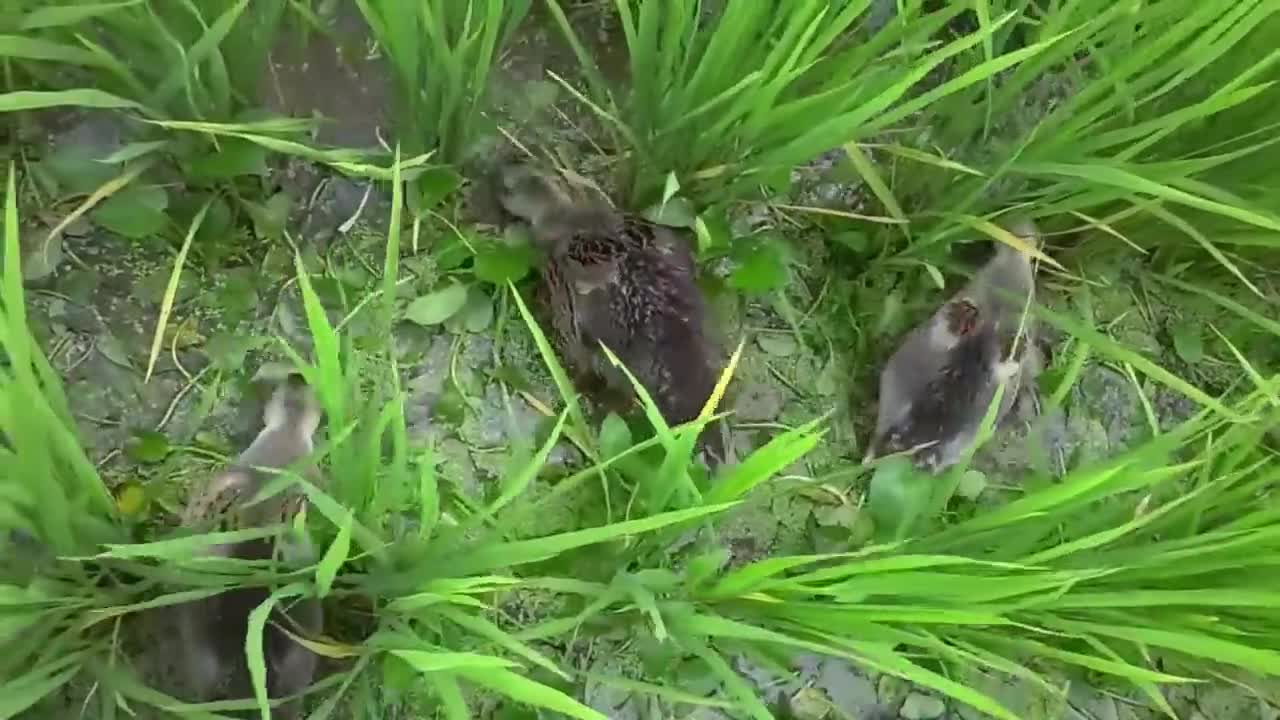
x=937 y=387
x=619 y=280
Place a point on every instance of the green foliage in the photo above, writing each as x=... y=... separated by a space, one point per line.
x=732 y=100
x=442 y=53
x=68 y=508
x=199 y=60
x=1152 y=568
x=1164 y=106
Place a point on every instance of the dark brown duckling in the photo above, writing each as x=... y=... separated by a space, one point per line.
x=937 y=387
x=620 y=280
x=213 y=630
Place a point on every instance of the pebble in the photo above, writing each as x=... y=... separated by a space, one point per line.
x=851 y=692
x=810 y=704
x=892 y=690
x=1094 y=704
x=919 y=706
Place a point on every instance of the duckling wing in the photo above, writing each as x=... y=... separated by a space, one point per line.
x=943 y=408
x=222 y=492
x=906 y=376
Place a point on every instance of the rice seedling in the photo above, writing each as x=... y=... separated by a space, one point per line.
x=442 y=54
x=1157 y=106
x=733 y=100
x=198 y=60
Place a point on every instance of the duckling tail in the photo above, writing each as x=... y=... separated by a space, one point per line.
x=687 y=382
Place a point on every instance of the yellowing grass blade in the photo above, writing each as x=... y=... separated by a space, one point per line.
x=171 y=290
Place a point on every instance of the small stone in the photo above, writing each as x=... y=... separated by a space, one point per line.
x=919 y=706
x=852 y=693
x=755 y=402
x=810 y=704
x=892 y=690
x=1095 y=704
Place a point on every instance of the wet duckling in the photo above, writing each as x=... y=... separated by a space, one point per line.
x=213 y=630
x=937 y=387
x=620 y=280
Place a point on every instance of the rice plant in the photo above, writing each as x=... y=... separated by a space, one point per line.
x=1152 y=112
x=198 y=60
x=732 y=100
x=442 y=54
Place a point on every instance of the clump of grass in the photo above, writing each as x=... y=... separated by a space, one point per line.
x=442 y=53
x=51 y=492
x=427 y=566
x=1108 y=571
x=733 y=99
x=197 y=60
x=1133 y=118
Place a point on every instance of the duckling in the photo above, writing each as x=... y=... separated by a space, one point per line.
x=213 y=630
x=620 y=280
x=937 y=387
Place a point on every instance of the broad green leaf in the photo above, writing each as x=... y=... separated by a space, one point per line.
x=28 y=689
x=68 y=15
x=231 y=158
x=615 y=436
x=84 y=97
x=147 y=446
x=759 y=264
x=432 y=187
x=437 y=306
x=434 y=662
x=1188 y=341
x=185 y=547
x=477 y=314
x=134 y=212
x=499 y=263
x=492 y=632
x=899 y=497
x=678 y=212
x=271 y=217
x=525 y=551
x=765 y=462
x=253 y=645
x=523 y=690
x=12 y=46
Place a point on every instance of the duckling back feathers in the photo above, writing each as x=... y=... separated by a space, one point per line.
x=938 y=385
x=617 y=279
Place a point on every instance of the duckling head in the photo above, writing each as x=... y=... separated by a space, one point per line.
x=292 y=409
x=531 y=195
x=556 y=214
x=1003 y=286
